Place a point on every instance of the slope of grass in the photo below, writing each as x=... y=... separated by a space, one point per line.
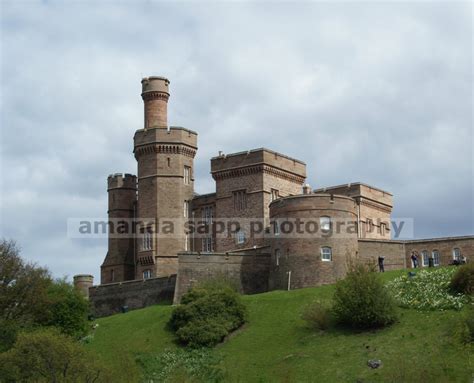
x=276 y=346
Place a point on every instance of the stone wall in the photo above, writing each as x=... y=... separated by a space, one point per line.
x=392 y=251
x=110 y=298
x=248 y=270
x=444 y=246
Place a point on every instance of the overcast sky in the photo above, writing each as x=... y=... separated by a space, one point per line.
x=374 y=92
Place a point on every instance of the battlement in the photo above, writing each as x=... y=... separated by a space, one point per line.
x=121 y=181
x=174 y=135
x=257 y=157
x=360 y=190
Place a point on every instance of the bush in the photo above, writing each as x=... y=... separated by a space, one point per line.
x=317 y=316
x=46 y=355
x=67 y=309
x=462 y=281
x=207 y=315
x=362 y=301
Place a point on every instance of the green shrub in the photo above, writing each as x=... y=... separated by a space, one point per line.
x=317 y=315
x=462 y=281
x=362 y=301
x=67 y=309
x=46 y=355
x=207 y=315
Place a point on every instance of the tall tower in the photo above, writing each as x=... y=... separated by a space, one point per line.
x=165 y=157
x=119 y=263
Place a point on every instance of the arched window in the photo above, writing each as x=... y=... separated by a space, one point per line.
x=147 y=243
x=457 y=254
x=326 y=254
x=147 y=274
x=325 y=223
x=276 y=228
x=425 y=259
x=435 y=255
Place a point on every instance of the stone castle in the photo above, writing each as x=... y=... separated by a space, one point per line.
x=262 y=196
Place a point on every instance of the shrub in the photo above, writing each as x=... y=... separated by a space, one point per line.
x=67 y=309
x=427 y=290
x=317 y=315
x=462 y=281
x=46 y=355
x=362 y=301
x=207 y=315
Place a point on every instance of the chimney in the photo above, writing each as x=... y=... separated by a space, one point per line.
x=155 y=95
x=306 y=189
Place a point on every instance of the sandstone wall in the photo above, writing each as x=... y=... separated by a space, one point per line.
x=110 y=298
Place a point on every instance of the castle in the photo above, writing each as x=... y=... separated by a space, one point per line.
x=263 y=227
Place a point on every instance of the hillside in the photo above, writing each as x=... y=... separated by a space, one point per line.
x=275 y=345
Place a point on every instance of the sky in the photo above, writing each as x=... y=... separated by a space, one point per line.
x=376 y=92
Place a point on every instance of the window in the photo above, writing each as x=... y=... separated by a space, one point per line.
x=277 y=256
x=169 y=161
x=435 y=254
x=276 y=228
x=186 y=241
x=147 y=274
x=112 y=275
x=240 y=237
x=275 y=194
x=326 y=254
x=146 y=241
x=425 y=258
x=240 y=199
x=187 y=175
x=370 y=225
x=325 y=223
x=207 y=244
x=382 y=229
x=207 y=214
x=456 y=254
x=186 y=209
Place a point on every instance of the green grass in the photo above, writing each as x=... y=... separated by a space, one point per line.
x=276 y=346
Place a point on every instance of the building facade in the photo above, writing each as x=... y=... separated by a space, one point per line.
x=240 y=229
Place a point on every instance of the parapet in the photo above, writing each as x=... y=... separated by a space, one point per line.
x=121 y=181
x=359 y=191
x=83 y=282
x=307 y=202
x=262 y=156
x=153 y=85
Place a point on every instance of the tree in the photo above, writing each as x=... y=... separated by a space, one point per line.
x=46 y=355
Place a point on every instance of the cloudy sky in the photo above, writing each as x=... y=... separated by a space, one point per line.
x=374 y=92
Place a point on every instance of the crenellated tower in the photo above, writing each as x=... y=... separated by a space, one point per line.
x=119 y=263
x=165 y=157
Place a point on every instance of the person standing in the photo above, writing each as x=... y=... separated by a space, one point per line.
x=381 y=265
x=414 y=260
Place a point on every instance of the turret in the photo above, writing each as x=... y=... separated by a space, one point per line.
x=119 y=264
x=155 y=95
x=83 y=282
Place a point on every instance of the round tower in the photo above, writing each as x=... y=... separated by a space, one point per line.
x=315 y=239
x=165 y=157
x=155 y=95
x=119 y=264
x=83 y=282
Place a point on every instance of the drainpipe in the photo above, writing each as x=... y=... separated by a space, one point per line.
x=289 y=280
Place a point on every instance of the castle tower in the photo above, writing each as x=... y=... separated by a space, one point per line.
x=165 y=157
x=83 y=282
x=119 y=263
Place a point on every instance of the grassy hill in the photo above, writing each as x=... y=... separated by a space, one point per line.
x=276 y=346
